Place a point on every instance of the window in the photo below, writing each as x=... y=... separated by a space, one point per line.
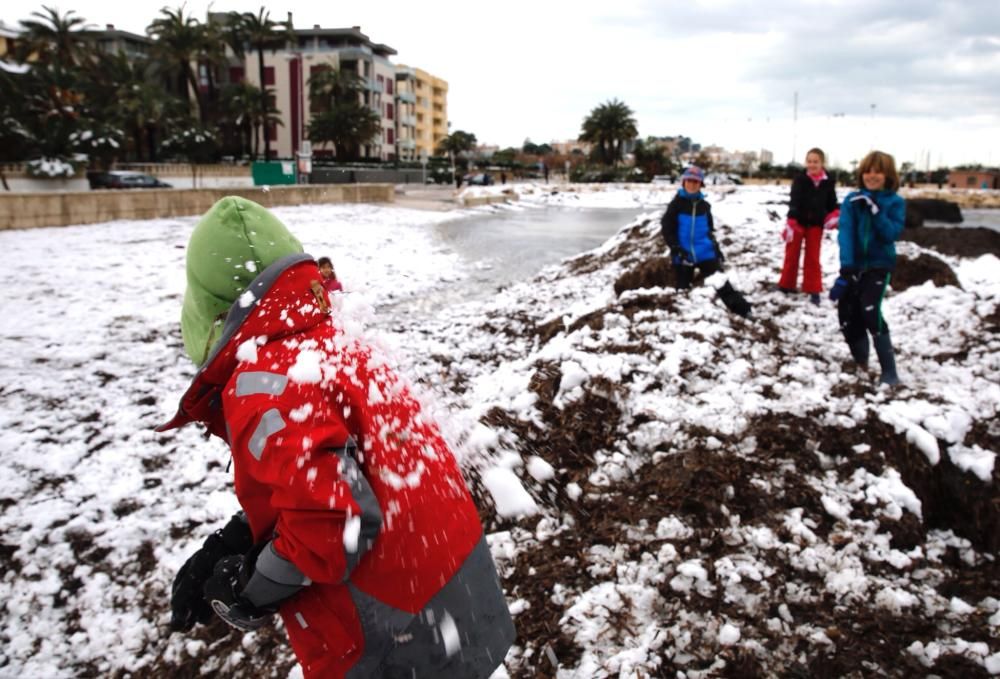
x=388 y=86
x=272 y=132
x=236 y=74
x=381 y=82
x=268 y=75
x=388 y=111
x=389 y=137
x=970 y=180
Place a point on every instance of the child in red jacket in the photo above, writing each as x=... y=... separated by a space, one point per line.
x=812 y=208
x=357 y=525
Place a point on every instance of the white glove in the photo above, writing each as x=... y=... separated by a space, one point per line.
x=871 y=203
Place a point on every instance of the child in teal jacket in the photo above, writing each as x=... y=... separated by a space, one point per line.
x=871 y=220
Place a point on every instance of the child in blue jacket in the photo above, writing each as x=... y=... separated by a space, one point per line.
x=688 y=229
x=871 y=220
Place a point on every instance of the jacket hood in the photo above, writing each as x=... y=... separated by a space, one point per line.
x=234 y=241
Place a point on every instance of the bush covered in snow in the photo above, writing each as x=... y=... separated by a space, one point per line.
x=53 y=168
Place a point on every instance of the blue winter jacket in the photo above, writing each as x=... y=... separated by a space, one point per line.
x=688 y=229
x=867 y=241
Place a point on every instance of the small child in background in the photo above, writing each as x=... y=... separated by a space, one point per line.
x=688 y=229
x=330 y=282
x=871 y=220
x=811 y=209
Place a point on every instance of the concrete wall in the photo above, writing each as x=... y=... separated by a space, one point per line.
x=338 y=175
x=178 y=175
x=24 y=183
x=32 y=185
x=29 y=210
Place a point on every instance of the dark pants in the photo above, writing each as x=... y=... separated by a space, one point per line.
x=684 y=273
x=860 y=308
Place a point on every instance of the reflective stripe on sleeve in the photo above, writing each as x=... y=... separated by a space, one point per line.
x=251 y=383
x=271 y=422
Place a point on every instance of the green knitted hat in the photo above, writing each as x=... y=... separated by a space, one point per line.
x=230 y=246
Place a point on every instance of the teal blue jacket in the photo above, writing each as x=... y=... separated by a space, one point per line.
x=868 y=241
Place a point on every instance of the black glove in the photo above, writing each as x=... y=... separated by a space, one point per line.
x=681 y=257
x=187 y=601
x=245 y=591
x=223 y=593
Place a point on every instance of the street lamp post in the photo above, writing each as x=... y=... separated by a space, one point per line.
x=873 y=129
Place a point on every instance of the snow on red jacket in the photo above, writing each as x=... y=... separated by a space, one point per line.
x=362 y=497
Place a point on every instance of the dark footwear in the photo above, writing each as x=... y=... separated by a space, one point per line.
x=859 y=351
x=886 y=359
x=814 y=298
x=733 y=300
x=787 y=291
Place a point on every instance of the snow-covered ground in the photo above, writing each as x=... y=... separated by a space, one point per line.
x=670 y=489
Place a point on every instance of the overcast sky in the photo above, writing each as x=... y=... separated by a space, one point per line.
x=917 y=78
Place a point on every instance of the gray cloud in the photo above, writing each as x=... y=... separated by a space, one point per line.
x=919 y=58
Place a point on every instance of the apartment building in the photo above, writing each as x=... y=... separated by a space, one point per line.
x=287 y=72
x=113 y=41
x=391 y=91
x=430 y=109
x=406 y=110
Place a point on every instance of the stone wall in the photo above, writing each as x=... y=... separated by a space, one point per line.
x=30 y=210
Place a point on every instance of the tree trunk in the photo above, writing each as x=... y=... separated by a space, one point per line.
x=137 y=140
x=192 y=80
x=212 y=98
x=151 y=141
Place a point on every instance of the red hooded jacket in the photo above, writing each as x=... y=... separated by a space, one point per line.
x=361 y=497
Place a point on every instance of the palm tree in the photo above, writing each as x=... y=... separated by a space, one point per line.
x=347 y=126
x=125 y=91
x=608 y=126
x=338 y=116
x=49 y=108
x=243 y=113
x=179 y=40
x=15 y=138
x=212 y=55
x=330 y=86
x=52 y=39
x=262 y=34
x=457 y=142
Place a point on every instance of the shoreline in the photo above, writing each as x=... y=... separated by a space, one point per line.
x=965 y=198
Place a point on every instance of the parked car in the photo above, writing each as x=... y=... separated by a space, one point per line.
x=478 y=179
x=122 y=179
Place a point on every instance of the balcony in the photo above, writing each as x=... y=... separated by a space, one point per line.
x=406 y=144
x=360 y=52
x=373 y=85
x=405 y=74
x=408 y=121
x=407 y=97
